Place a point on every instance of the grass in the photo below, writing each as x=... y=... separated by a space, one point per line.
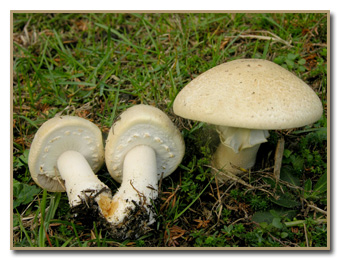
x=96 y=65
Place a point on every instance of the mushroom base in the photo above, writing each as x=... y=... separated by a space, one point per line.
x=228 y=163
x=137 y=222
x=130 y=212
x=94 y=208
x=88 y=210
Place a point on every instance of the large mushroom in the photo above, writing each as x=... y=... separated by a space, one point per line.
x=65 y=154
x=245 y=98
x=142 y=147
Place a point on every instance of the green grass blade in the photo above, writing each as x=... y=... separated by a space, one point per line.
x=22 y=228
x=187 y=207
x=29 y=121
x=125 y=40
x=101 y=64
x=310 y=130
x=42 y=235
x=114 y=109
x=76 y=234
x=76 y=83
x=65 y=244
x=66 y=53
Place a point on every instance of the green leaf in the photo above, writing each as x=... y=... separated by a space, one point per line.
x=23 y=193
x=286 y=201
x=321 y=185
x=292 y=56
x=268 y=216
x=290 y=64
x=288 y=176
x=279 y=60
x=22 y=160
x=284 y=235
x=302 y=61
x=297 y=162
x=16 y=220
x=287 y=153
x=308 y=185
x=301 y=68
x=270 y=181
x=277 y=223
x=261 y=217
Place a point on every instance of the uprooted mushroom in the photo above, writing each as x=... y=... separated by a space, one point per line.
x=142 y=147
x=65 y=154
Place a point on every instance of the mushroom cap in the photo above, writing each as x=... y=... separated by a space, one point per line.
x=144 y=125
x=249 y=93
x=56 y=136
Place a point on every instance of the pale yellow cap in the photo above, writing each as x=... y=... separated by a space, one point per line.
x=249 y=93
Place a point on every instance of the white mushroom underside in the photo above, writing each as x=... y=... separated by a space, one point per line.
x=73 y=138
x=167 y=151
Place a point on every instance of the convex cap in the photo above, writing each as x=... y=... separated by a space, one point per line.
x=249 y=93
x=144 y=125
x=56 y=136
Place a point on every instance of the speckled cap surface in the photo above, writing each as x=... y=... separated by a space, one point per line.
x=56 y=136
x=249 y=93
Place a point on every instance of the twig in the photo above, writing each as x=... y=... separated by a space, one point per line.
x=317 y=209
x=140 y=194
x=300 y=222
x=238 y=180
x=287 y=184
x=306 y=235
x=231 y=176
x=238 y=220
x=167 y=201
x=278 y=157
x=272 y=37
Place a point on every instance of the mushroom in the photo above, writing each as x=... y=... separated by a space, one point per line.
x=142 y=147
x=245 y=98
x=65 y=154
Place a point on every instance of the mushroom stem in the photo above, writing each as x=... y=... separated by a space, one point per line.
x=139 y=185
x=80 y=180
x=227 y=160
x=238 y=148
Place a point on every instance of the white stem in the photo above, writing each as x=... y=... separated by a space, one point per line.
x=139 y=185
x=78 y=176
x=225 y=158
x=238 y=148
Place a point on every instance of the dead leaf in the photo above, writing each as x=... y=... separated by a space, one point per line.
x=202 y=223
x=176 y=232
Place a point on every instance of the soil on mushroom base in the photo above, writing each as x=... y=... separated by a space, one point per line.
x=134 y=225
